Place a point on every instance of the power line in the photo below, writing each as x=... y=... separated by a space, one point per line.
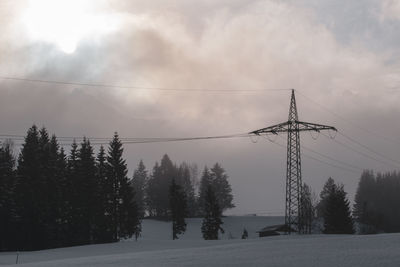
x=367 y=148
x=135 y=140
x=350 y=122
x=328 y=157
x=136 y=87
x=321 y=161
x=359 y=152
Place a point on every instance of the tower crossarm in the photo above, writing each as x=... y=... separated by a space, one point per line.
x=274 y=129
x=307 y=126
x=293 y=126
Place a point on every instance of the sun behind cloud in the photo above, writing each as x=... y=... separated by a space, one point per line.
x=66 y=22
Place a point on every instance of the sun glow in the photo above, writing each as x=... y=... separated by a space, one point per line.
x=66 y=22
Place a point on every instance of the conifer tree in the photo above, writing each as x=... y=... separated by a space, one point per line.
x=125 y=219
x=337 y=214
x=139 y=183
x=329 y=186
x=205 y=182
x=212 y=221
x=178 y=209
x=63 y=200
x=104 y=223
x=307 y=208
x=157 y=189
x=49 y=157
x=29 y=194
x=221 y=187
x=7 y=202
x=85 y=196
x=185 y=180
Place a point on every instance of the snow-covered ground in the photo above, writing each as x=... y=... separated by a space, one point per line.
x=156 y=249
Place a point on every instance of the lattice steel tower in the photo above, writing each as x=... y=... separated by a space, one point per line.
x=293 y=127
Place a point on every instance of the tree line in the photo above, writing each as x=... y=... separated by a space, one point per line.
x=375 y=208
x=376 y=202
x=50 y=199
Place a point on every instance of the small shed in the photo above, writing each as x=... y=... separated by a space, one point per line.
x=273 y=230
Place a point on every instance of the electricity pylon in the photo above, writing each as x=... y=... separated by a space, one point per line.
x=293 y=127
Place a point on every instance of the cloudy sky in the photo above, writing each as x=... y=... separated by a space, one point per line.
x=342 y=57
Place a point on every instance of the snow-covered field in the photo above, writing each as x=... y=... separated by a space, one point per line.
x=156 y=249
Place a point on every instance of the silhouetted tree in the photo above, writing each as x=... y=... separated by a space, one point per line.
x=105 y=233
x=7 y=202
x=178 y=209
x=30 y=194
x=307 y=208
x=221 y=187
x=218 y=179
x=328 y=187
x=185 y=180
x=157 y=189
x=86 y=197
x=205 y=182
x=336 y=213
x=139 y=183
x=212 y=221
x=125 y=221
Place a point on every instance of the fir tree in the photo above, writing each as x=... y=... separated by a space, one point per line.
x=139 y=183
x=7 y=202
x=212 y=222
x=178 y=209
x=86 y=196
x=205 y=182
x=105 y=232
x=125 y=220
x=221 y=187
x=184 y=179
x=337 y=214
x=30 y=188
x=157 y=189
x=329 y=186
x=307 y=209
x=62 y=198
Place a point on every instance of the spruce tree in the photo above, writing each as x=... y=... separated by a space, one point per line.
x=307 y=209
x=178 y=209
x=85 y=196
x=139 y=183
x=205 y=182
x=336 y=213
x=329 y=186
x=157 y=189
x=212 y=221
x=105 y=232
x=7 y=201
x=63 y=200
x=125 y=221
x=184 y=179
x=30 y=192
x=221 y=187
x=53 y=181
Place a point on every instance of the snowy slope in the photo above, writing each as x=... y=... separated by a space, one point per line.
x=315 y=250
